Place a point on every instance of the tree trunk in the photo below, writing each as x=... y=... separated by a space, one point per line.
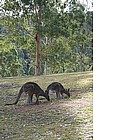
x=37 y=69
x=81 y=59
x=45 y=67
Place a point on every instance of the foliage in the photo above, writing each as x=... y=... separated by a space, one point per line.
x=65 y=30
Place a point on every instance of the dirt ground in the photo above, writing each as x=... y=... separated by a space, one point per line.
x=81 y=102
x=63 y=119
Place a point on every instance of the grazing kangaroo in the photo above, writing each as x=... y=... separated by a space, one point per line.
x=58 y=89
x=31 y=88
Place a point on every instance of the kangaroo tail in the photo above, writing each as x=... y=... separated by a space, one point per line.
x=10 y=104
x=18 y=97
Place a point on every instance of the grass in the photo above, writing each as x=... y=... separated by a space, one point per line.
x=64 y=119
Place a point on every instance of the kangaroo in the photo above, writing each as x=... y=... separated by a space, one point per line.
x=31 y=88
x=58 y=89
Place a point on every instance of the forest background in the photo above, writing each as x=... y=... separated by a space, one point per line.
x=45 y=37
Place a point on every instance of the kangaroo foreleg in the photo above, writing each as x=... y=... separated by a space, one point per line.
x=62 y=95
x=29 y=100
x=57 y=95
x=37 y=100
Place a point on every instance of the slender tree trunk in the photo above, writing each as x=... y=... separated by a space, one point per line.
x=37 y=69
x=81 y=59
x=38 y=17
x=45 y=67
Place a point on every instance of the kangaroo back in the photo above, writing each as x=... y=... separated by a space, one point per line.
x=31 y=89
x=58 y=88
x=27 y=87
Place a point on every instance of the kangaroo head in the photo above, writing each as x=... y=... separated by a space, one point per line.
x=46 y=95
x=67 y=92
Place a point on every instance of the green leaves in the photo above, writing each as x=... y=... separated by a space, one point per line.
x=67 y=26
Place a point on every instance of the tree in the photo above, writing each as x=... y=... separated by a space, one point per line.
x=80 y=30
x=61 y=32
x=31 y=12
